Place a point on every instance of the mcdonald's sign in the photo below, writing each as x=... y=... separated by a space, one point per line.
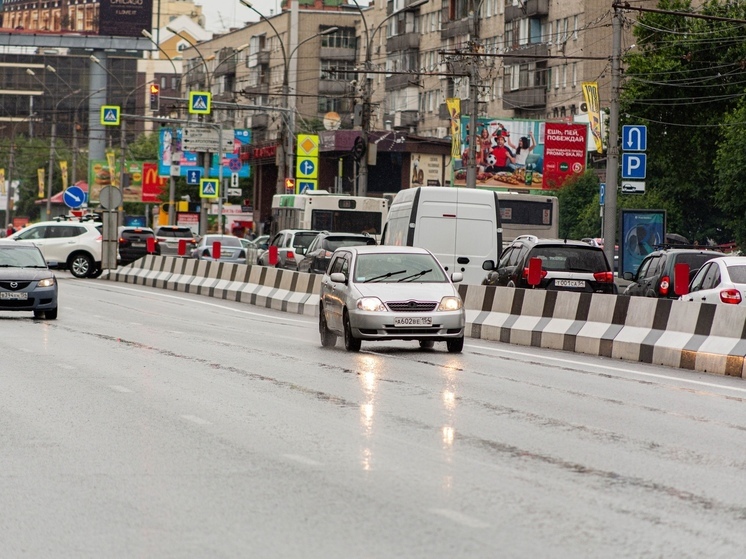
x=152 y=184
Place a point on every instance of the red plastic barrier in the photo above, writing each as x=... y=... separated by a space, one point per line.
x=216 y=250
x=182 y=247
x=273 y=256
x=534 y=271
x=151 y=245
x=681 y=279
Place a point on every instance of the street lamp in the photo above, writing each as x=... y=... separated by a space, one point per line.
x=53 y=136
x=147 y=34
x=366 y=88
x=194 y=46
x=289 y=116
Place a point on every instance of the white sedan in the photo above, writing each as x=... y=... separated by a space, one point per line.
x=721 y=280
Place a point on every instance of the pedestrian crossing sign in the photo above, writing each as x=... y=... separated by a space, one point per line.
x=200 y=102
x=110 y=115
x=209 y=188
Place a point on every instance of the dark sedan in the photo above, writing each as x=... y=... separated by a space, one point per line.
x=26 y=282
x=316 y=259
x=133 y=243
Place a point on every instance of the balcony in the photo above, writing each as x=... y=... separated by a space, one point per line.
x=262 y=57
x=526 y=53
x=527 y=98
x=457 y=28
x=402 y=81
x=337 y=53
x=257 y=121
x=406 y=119
x=407 y=41
x=258 y=89
x=228 y=66
x=333 y=87
x=530 y=8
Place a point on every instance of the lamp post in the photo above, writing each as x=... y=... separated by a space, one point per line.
x=367 y=90
x=194 y=46
x=289 y=116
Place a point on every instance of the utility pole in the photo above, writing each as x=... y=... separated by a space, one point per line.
x=471 y=163
x=612 y=158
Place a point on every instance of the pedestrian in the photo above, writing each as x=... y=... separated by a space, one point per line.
x=10 y=230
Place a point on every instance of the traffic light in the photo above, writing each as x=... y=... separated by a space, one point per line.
x=289 y=186
x=155 y=96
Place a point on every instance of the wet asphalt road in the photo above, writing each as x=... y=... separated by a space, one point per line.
x=149 y=423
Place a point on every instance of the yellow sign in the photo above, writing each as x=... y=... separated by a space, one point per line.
x=592 y=99
x=2 y=182
x=111 y=160
x=40 y=177
x=200 y=102
x=305 y=185
x=308 y=145
x=63 y=171
x=454 y=112
x=110 y=115
x=209 y=188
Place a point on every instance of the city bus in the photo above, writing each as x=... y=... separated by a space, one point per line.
x=528 y=214
x=338 y=213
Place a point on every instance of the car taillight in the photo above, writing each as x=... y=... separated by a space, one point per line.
x=730 y=296
x=543 y=273
x=328 y=254
x=290 y=255
x=122 y=240
x=604 y=277
x=665 y=284
x=100 y=238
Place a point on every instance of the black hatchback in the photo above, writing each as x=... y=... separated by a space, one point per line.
x=133 y=243
x=654 y=277
x=565 y=266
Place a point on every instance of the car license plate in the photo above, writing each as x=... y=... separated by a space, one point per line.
x=414 y=321
x=138 y=244
x=569 y=283
x=12 y=295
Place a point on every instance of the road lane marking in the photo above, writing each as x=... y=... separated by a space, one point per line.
x=118 y=388
x=302 y=459
x=610 y=368
x=195 y=419
x=460 y=518
x=67 y=367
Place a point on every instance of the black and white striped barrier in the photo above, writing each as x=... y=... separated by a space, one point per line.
x=702 y=337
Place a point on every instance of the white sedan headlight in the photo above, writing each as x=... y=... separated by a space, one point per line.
x=372 y=304
x=46 y=282
x=450 y=304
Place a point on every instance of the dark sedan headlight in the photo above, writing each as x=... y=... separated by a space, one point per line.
x=46 y=282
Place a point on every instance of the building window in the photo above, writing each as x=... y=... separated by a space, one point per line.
x=575 y=28
x=341 y=70
x=575 y=74
x=343 y=38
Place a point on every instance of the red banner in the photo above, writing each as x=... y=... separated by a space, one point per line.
x=564 y=152
x=152 y=184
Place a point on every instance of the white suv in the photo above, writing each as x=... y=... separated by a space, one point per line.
x=74 y=245
x=291 y=246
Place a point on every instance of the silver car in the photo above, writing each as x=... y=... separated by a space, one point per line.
x=390 y=293
x=231 y=249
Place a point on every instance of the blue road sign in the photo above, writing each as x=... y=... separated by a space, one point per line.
x=634 y=137
x=304 y=186
x=634 y=165
x=194 y=176
x=307 y=167
x=74 y=197
x=208 y=188
x=200 y=102
x=602 y=194
x=234 y=164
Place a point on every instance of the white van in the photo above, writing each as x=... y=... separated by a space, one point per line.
x=460 y=226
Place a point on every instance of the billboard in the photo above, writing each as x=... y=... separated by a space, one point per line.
x=522 y=154
x=171 y=153
x=123 y=18
x=641 y=232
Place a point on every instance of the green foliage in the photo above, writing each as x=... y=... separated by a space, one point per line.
x=579 y=209
x=144 y=148
x=731 y=178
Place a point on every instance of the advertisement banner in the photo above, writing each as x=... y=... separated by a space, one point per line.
x=40 y=178
x=593 y=102
x=2 y=182
x=426 y=170
x=103 y=173
x=171 y=153
x=641 y=231
x=564 y=152
x=454 y=110
x=153 y=184
x=63 y=174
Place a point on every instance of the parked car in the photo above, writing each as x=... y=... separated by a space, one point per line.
x=381 y=293
x=231 y=249
x=291 y=246
x=319 y=253
x=133 y=243
x=26 y=282
x=73 y=245
x=654 y=277
x=168 y=237
x=565 y=266
x=720 y=280
x=255 y=248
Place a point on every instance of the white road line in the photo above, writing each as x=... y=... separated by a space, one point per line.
x=186 y=299
x=302 y=459
x=67 y=367
x=195 y=419
x=460 y=518
x=610 y=368
x=118 y=388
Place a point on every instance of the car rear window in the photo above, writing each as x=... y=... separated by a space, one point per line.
x=181 y=233
x=737 y=273
x=303 y=239
x=136 y=234
x=333 y=243
x=695 y=260
x=570 y=258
